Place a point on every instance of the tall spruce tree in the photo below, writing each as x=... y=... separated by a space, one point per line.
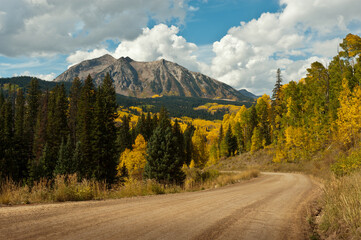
x=164 y=162
x=65 y=164
x=278 y=85
x=74 y=97
x=31 y=112
x=20 y=141
x=85 y=128
x=124 y=139
x=231 y=142
x=179 y=138
x=105 y=147
x=188 y=144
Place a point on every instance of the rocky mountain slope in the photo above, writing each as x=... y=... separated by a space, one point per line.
x=146 y=79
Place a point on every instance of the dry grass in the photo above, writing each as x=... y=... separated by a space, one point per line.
x=206 y=179
x=67 y=188
x=341 y=215
x=43 y=191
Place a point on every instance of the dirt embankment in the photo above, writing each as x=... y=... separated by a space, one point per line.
x=269 y=207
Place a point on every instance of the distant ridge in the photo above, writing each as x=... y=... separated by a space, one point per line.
x=246 y=93
x=146 y=79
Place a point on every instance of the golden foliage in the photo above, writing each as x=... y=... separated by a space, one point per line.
x=134 y=160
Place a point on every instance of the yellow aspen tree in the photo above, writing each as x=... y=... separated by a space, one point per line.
x=200 y=154
x=256 y=140
x=134 y=160
x=349 y=115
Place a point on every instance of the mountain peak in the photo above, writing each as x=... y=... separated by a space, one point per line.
x=127 y=59
x=106 y=56
x=146 y=79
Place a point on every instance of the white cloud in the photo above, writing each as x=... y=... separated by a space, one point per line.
x=159 y=42
x=193 y=9
x=39 y=27
x=80 y=56
x=248 y=56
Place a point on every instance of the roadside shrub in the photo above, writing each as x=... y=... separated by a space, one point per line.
x=348 y=164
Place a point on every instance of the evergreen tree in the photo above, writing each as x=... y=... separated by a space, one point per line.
x=40 y=136
x=57 y=128
x=85 y=128
x=231 y=142
x=19 y=114
x=31 y=112
x=37 y=167
x=188 y=145
x=179 y=138
x=7 y=159
x=148 y=127
x=20 y=141
x=105 y=147
x=141 y=127
x=65 y=164
x=76 y=159
x=74 y=97
x=277 y=88
x=124 y=140
x=163 y=161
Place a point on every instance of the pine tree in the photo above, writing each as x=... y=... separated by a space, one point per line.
x=179 y=138
x=231 y=142
x=277 y=88
x=65 y=164
x=141 y=127
x=85 y=128
x=76 y=160
x=20 y=141
x=8 y=160
x=31 y=112
x=124 y=139
x=57 y=128
x=74 y=97
x=40 y=136
x=37 y=168
x=188 y=145
x=105 y=148
x=163 y=161
x=148 y=127
x=19 y=114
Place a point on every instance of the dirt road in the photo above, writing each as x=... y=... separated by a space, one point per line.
x=269 y=207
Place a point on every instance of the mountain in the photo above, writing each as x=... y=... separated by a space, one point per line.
x=246 y=93
x=146 y=79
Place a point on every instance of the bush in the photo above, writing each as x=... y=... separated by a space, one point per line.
x=347 y=165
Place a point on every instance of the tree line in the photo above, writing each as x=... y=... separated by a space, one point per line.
x=46 y=133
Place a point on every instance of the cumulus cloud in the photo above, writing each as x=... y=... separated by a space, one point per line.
x=248 y=56
x=159 y=42
x=38 y=27
x=80 y=56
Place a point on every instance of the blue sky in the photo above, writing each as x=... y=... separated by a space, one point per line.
x=238 y=42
